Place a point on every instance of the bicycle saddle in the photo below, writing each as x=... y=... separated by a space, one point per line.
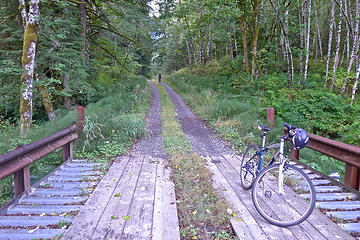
x=264 y=128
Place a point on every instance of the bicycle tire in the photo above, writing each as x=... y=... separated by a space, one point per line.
x=246 y=177
x=291 y=207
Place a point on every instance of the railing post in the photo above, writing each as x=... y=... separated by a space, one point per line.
x=352 y=176
x=80 y=116
x=68 y=151
x=271 y=117
x=21 y=180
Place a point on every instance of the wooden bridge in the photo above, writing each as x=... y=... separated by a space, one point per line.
x=135 y=197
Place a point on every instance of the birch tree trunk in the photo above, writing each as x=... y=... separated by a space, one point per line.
x=336 y=57
x=318 y=27
x=31 y=36
x=189 y=52
x=355 y=47
x=23 y=12
x=355 y=86
x=287 y=42
x=307 y=41
x=331 y=28
x=301 y=20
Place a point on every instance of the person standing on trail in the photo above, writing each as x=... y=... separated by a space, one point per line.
x=159 y=76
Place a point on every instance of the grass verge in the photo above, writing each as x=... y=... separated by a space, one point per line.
x=203 y=214
x=111 y=126
x=236 y=117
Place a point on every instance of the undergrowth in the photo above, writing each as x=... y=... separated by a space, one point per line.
x=234 y=112
x=202 y=213
x=111 y=125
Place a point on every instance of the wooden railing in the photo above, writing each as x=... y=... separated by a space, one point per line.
x=18 y=161
x=346 y=153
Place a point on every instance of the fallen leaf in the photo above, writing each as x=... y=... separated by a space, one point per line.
x=114 y=180
x=131 y=174
x=234 y=214
x=33 y=230
x=126 y=218
x=194 y=212
x=348 y=197
x=239 y=219
x=63 y=214
x=229 y=211
x=117 y=195
x=65 y=226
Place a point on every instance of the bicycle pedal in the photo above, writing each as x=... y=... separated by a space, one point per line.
x=268 y=194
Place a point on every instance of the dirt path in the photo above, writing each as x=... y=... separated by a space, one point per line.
x=152 y=144
x=203 y=140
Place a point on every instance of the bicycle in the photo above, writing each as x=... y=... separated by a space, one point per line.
x=276 y=188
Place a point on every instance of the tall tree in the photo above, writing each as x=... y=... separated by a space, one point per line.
x=307 y=39
x=337 y=49
x=28 y=63
x=331 y=28
x=355 y=47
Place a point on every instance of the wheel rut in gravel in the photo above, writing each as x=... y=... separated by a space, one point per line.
x=224 y=164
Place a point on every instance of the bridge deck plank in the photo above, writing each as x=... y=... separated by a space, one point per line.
x=135 y=200
x=317 y=226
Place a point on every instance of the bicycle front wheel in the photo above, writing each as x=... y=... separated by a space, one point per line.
x=249 y=166
x=285 y=199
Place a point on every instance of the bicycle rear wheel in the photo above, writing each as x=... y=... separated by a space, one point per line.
x=293 y=205
x=249 y=166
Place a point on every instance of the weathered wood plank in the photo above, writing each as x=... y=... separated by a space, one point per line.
x=273 y=232
x=113 y=219
x=247 y=224
x=317 y=221
x=141 y=210
x=86 y=221
x=165 y=220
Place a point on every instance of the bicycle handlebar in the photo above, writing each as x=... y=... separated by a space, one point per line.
x=291 y=129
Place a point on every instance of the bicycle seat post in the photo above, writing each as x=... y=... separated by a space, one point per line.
x=263 y=136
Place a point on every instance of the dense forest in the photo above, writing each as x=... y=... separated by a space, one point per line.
x=228 y=59
x=301 y=57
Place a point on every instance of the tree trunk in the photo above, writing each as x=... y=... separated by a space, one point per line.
x=189 y=52
x=355 y=86
x=82 y=11
x=28 y=63
x=255 y=36
x=67 y=99
x=355 y=47
x=23 y=12
x=47 y=103
x=331 y=28
x=287 y=42
x=242 y=23
x=301 y=21
x=318 y=28
x=336 y=57
x=307 y=41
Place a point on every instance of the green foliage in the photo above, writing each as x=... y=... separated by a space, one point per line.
x=111 y=126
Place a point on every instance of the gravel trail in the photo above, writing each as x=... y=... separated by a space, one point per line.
x=203 y=140
x=152 y=143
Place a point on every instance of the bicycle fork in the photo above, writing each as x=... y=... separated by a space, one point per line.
x=281 y=167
